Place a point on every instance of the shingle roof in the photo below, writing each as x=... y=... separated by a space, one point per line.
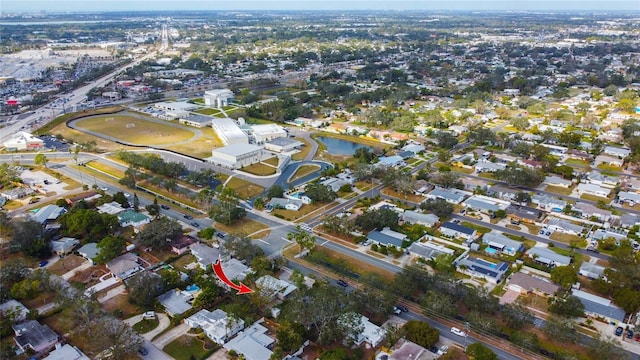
x=459 y=228
x=382 y=238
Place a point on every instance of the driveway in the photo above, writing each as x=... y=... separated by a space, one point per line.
x=170 y=335
x=71 y=273
x=163 y=324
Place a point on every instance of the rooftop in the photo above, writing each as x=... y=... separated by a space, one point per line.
x=237 y=149
x=459 y=228
x=533 y=283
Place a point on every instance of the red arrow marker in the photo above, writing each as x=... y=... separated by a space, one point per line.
x=242 y=288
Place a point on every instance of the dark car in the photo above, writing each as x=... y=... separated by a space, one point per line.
x=164 y=207
x=188 y=217
x=619 y=330
x=143 y=351
x=629 y=334
x=342 y=283
x=402 y=307
x=43 y=263
x=195 y=224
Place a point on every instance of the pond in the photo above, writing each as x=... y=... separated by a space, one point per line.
x=340 y=146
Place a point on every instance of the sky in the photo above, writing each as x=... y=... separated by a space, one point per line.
x=8 y=6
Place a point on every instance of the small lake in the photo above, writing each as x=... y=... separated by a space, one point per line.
x=340 y=146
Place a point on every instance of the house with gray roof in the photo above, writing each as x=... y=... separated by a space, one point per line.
x=616 y=151
x=564 y=226
x=598 y=178
x=555 y=180
x=592 y=189
x=285 y=203
x=457 y=231
x=48 y=214
x=253 y=343
x=629 y=220
x=414 y=217
x=205 y=255
x=503 y=192
x=597 y=306
x=523 y=213
x=16 y=307
x=387 y=237
x=481 y=268
x=591 y=271
x=66 y=352
x=235 y=270
x=16 y=193
x=548 y=203
x=548 y=257
x=124 y=266
x=64 y=245
x=498 y=241
x=89 y=251
x=629 y=197
x=488 y=166
x=485 y=204
x=587 y=210
x=449 y=195
x=530 y=283
x=429 y=250
x=176 y=301
x=32 y=335
x=618 y=234
x=275 y=288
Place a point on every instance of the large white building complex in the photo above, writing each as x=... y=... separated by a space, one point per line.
x=266 y=132
x=218 y=97
x=229 y=131
x=23 y=141
x=236 y=156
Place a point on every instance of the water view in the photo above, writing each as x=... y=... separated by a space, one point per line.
x=340 y=146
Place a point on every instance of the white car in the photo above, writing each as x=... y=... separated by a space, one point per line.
x=458 y=332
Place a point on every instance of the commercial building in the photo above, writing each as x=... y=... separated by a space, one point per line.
x=282 y=144
x=195 y=120
x=22 y=141
x=229 y=132
x=237 y=155
x=218 y=97
x=267 y=132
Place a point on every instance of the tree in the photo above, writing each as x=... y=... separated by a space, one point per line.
x=441 y=208
x=276 y=191
x=319 y=193
x=421 y=333
x=40 y=159
x=606 y=348
x=520 y=123
x=447 y=180
x=516 y=316
x=136 y=202
x=144 y=287
x=561 y=328
x=290 y=336
x=227 y=211
x=363 y=155
x=243 y=248
x=523 y=197
x=159 y=231
x=110 y=247
x=28 y=237
x=302 y=238
x=522 y=176
x=564 y=276
x=377 y=219
x=565 y=171
x=480 y=352
x=153 y=209
x=567 y=306
x=11 y=272
x=81 y=222
x=481 y=135
x=446 y=140
x=121 y=199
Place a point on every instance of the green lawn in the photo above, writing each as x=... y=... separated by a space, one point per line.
x=144 y=326
x=303 y=171
x=259 y=169
x=245 y=189
x=594 y=198
x=559 y=190
x=478 y=228
x=186 y=348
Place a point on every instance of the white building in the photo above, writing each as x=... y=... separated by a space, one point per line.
x=236 y=156
x=218 y=97
x=22 y=140
x=229 y=131
x=282 y=144
x=267 y=132
x=216 y=325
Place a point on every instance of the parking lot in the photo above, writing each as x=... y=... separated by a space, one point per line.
x=37 y=179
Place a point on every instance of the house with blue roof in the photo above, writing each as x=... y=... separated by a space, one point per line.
x=596 y=306
x=449 y=195
x=391 y=161
x=387 y=237
x=457 y=231
x=48 y=214
x=481 y=268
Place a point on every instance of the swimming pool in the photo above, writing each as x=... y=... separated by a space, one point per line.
x=192 y=288
x=296 y=195
x=490 y=250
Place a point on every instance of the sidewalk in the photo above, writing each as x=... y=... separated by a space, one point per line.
x=170 y=335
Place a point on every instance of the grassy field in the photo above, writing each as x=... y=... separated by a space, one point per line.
x=567 y=238
x=259 y=169
x=478 y=228
x=135 y=130
x=106 y=169
x=66 y=264
x=409 y=197
x=200 y=147
x=559 y=190
x=303 y=171
x=594 y=198
x=303 y=151
x=576 y=162
x=186 y=348
x=292 y=215
x=272 y=161
x=245 y=189
x=242 y=227
x=207 y=111
x=610 y=168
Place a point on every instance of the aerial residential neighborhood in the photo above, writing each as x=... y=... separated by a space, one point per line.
x=319 y=184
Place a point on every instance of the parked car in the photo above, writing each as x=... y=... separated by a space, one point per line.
x=548 y=233
x=195 y=224
x=342 y=283
x=188 y=217
x=443 y=350
x=629 y=334
x=43 y=263
x=541 y=232
x=143 y=351
x=619 y=330
x=402 y=307
x=458 y=332
x=396 y=311
x=164 y=207
x=149 y=315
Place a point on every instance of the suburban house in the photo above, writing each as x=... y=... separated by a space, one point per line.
x=598 y=178
x=485 y=204
x=215 y=324
x=32 y=335
x=471 y=184
x=631 y=184
x=285 y=203
x=334 y=183
x=564 y=226
x=182 y=244
x=112 y=208
x=616 y=151
x=274 y=287
x=64 y=245
x=451 y=196
x=548 y=257
x=16 y=193
x=592 y=189
x=503 y=192
x=124 y=266
x=414 y=148
x=617 y=234
x=528 y=283
x=16 y=307
x=387 y=237
x=457 y=231
x=132 y=218
x=488 y=166
x=429 y=250
x=497 y=241
x=524 y=214
x=414 y=217
x=555 y=180
x=205 y=255
x=253 y=343
x=371 y=333
x=480 y=268
x=176 y=302
x=599 y=307
x=235 y=270
x=405 y=349
x=48 y=214
x=587 y=210
x=393 y=161
x=630 y=197
x=591 y=271
x=629 y=220
x=548 y=203
x=89 y=251
x=608 y=160
x=66 y=352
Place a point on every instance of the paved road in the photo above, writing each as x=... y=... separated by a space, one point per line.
x=161 y=341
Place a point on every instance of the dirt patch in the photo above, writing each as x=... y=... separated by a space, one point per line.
x=66 y=264
x=120 y=306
